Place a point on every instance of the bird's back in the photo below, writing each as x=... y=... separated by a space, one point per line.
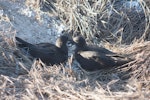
x=92 y=57
x=47 y=52
x=99 y=49
x=93 y=60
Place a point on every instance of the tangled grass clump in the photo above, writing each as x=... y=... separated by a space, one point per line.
x=57 y=82
x=20 y=78
x=114 y=21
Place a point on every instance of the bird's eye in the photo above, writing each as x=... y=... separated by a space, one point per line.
x=69 y=43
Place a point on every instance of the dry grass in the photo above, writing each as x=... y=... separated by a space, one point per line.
x=59 y=82
x=105 y=19
x=22 y=79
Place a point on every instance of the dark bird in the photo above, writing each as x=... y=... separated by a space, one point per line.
x=49 y=53
x=92 y=58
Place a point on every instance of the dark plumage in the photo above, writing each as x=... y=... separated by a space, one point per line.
x=48 y=53
x=92 y=58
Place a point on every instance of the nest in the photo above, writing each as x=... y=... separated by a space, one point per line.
x=31 y=79
x=16 y=64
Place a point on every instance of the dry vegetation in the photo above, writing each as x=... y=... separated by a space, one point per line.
x=22 y=79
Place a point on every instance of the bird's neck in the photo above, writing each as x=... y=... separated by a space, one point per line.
x=81 y=48
x=63 y=48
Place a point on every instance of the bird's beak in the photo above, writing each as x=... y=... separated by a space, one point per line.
x=70 y=39
x=71 y=42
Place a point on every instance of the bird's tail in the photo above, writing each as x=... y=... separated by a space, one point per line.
x=120 y=59
x=124 y=62
x=22 y=42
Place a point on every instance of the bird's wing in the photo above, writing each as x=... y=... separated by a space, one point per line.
x=88 y=54
x=34 y=49
x=22 y=42
x=45 y=45
x=105 y=60
x=102 y=56
x=117 y=57
x=100 y=49
x=96 y=57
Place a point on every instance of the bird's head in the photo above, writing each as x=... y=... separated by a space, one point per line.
x=79 y=41
x=61 y=41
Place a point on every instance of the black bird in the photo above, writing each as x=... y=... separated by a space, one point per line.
x=49 y=53
x=92 y=58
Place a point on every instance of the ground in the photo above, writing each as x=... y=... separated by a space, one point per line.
x=21 y=78
x=29 y=23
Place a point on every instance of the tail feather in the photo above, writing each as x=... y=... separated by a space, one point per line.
x=23 y=43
